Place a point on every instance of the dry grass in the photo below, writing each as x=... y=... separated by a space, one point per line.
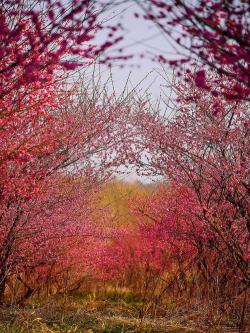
x=114 y=313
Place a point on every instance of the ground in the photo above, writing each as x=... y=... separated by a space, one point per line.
x=79 y=313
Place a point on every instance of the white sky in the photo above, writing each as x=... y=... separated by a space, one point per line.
x=140 y=36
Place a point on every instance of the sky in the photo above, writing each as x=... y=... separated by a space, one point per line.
x=140 y=37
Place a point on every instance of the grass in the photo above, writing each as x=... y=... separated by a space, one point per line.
x=114 y=312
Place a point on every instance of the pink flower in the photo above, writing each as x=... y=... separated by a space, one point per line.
x=200 y=79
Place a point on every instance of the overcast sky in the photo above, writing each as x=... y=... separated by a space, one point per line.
x=140 y=37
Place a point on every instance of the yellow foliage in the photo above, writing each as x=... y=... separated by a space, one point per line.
x=115 y=201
